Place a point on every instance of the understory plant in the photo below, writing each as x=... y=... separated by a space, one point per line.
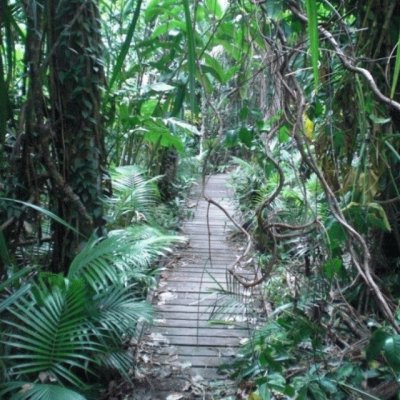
x=314 y=338
x=62 y=333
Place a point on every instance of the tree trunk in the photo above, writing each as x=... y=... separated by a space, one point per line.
x=76 y=78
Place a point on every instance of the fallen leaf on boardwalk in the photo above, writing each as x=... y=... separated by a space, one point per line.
x=145 y=358
x=182 y=366
x=157 y=339
x=175 y=396
x=165 y=296
x=197 y=378
x=243 y=341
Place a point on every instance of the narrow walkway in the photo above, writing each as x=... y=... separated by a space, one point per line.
x=186 y=296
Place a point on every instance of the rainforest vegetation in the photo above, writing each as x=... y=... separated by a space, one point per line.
x=108 y=112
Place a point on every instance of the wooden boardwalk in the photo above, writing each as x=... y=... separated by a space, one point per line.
x=186 y=294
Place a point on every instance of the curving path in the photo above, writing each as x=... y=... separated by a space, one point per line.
x=182 y=335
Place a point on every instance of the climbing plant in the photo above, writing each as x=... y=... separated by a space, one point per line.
x=305 y=96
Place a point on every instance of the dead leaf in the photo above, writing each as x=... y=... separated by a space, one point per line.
x=26 y=387
x=157 y=338
x=166 y=296
x=175 y=396
x=182 y=366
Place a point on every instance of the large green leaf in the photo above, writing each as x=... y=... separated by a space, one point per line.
x=396 y=71
x=191 y=45
x=116 y=73
x=215 y=7
x=312 y=28
x=157 y=133
x=392 y=351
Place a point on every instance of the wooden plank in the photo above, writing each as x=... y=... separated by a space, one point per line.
x=203 y=341
x=195 y=361
x=202 y=351
x=188 y=308
x=171 y=321
x=202 y=333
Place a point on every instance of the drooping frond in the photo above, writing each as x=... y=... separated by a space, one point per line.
x=125 y=254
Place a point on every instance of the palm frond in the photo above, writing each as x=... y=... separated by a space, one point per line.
x=46 y=333
x=39 y=391
x=120 y=361
x=135 y=197
x=117 y=311
x=123 y=256
x=12 y=297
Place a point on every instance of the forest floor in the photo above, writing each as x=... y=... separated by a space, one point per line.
x=180 y=356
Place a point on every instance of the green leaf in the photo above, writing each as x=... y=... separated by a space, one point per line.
x=344 y=371
x=328 y=385
x=283 y=134
x=161 y=87
x=165 y=139
x=396 y=71
x=148 y=107
x=4 y=254
x=116 y=73
x=264 y=392
x=184 y=125
x=379 y=120
x=393 y=150
x=312 y=28
x=316 y=391
x=215 y=7
x=43 y=211
x=3 y=106
x=392 y=351
x=332 y=267
x=158 y=133
x=14 y=296
x=48 y=331
x=191 y=54
x=377 y=217
x=376 y=344
x=246 y=136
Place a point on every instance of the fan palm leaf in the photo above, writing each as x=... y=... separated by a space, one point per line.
x=46 y=332
x=123 y=256
x=134 y=196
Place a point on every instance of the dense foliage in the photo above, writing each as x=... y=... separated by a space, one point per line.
x=97 y=95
